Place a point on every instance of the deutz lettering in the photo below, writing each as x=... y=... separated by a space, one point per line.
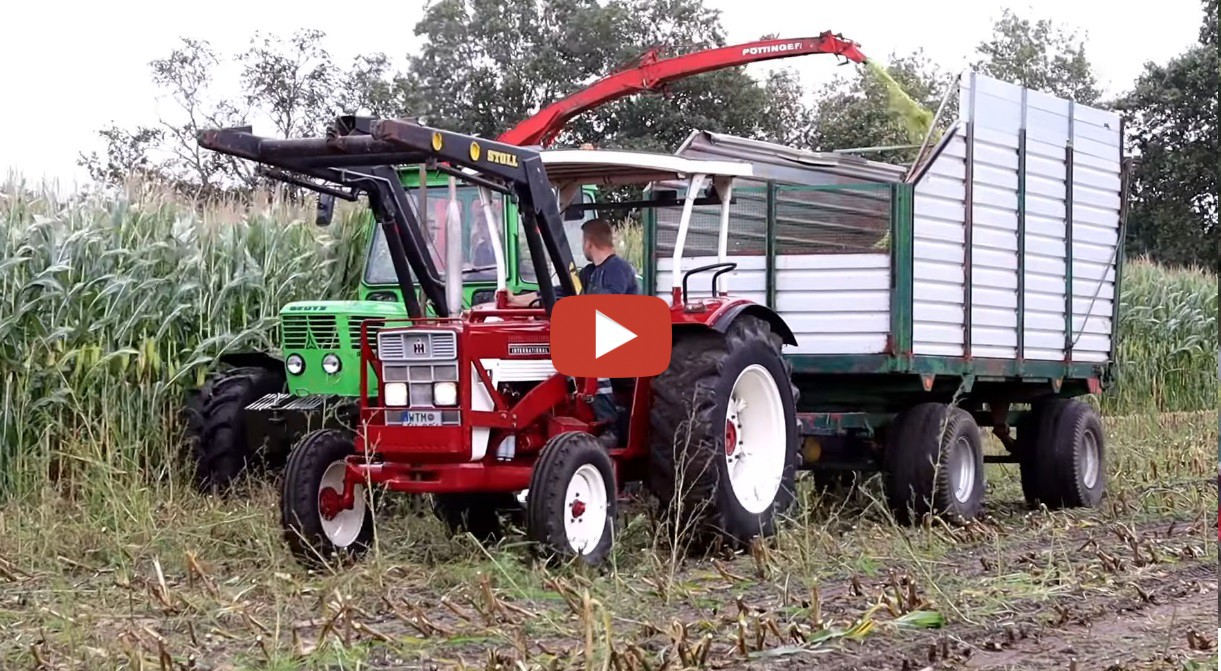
x=502 y=157
x=771 y=49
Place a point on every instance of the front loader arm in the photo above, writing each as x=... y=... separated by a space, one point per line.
x=652 y=75
x=362 y=163
x=520 y=168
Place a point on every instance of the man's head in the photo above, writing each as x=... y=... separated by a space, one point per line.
x=598 y=240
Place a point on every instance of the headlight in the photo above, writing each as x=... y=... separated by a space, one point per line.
x=396 y=393
x=331 y=364
x=295 y=364
x=445 y=393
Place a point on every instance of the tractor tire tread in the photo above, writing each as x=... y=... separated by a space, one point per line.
x=684 y=401
x=561 y=456
x=299 y=518
x=219 y=446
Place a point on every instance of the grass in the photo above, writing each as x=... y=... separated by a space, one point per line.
x=187 y=576
x=111 y=308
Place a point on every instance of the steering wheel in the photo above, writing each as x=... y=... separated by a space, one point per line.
x=536 y=303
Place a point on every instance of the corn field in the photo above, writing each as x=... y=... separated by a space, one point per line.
x=112 y=307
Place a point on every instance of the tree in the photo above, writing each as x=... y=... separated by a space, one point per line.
x=1039 y=56
x=168 y=150
x=292 y=81
x=1172 y=122
x=856 y=110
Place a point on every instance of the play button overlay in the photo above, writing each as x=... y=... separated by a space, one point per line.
x=608 y=336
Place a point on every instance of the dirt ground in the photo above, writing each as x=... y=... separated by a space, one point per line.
x=167 y=580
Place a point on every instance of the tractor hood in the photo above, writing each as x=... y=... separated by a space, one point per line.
x=365 y=309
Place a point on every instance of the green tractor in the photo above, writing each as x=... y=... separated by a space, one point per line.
x=248 y=414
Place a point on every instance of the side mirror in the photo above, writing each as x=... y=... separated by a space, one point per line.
x=326 y=209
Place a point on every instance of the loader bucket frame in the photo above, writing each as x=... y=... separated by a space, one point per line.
x=359 y=154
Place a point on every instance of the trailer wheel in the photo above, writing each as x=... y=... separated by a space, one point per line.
x=478 y=514
x=1062 y=458
x=217 y=428
x=934 y=463
x=571 y=508
x=316 y=526
x=724 y=443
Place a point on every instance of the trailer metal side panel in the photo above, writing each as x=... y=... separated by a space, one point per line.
x=830 y=274
x=938 y=244
x=1016 y=230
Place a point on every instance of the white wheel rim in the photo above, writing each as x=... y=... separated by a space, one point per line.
x=345 y=526
x=962 y=469
x=756 y=436
x=1090 y=459
x=585 y=509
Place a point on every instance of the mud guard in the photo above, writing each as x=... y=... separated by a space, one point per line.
x=252 y=360
x=722 y=320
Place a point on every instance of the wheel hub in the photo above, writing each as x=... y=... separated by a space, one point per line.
x=585 y=521
x=755 y=459
x=962 y=473
x=330 y=503
x=731 y=437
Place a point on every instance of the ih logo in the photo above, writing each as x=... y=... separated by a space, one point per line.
x=417 y=347
x=600 y=335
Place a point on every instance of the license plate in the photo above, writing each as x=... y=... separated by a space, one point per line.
x=422 y=418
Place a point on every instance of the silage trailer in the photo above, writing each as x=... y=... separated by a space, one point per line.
x=985 y=275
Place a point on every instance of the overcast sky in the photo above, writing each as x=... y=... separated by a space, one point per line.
x=69 y=68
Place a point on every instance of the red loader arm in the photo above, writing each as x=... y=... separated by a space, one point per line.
x=652 y=74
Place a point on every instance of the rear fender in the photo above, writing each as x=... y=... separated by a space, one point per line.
x=721 y=320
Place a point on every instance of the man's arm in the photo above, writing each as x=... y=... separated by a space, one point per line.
x=525 y=299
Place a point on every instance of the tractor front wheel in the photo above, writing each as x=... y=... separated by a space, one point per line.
x=571 y=508
x=217 y=427
x=724 y=442
x=317 y=526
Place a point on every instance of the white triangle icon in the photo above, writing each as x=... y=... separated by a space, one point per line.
x=609 y=335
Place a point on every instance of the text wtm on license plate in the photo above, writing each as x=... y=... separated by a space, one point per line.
x=422 y=418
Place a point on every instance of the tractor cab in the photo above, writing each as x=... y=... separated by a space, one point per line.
x=465 y=404
x=478 y=273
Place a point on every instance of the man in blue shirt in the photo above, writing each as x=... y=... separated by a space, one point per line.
x=606 y=273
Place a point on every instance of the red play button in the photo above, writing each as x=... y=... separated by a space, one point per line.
x=603 y=335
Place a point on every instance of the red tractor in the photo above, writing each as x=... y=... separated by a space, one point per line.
x=469 y=408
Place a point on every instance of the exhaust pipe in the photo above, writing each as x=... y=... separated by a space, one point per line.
x=453 y=251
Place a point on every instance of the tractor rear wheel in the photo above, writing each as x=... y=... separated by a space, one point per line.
x=934 y=463
x=571 y=507
x=724 y=441
x=217 y=427
x=316 y=526
x=1061 y=454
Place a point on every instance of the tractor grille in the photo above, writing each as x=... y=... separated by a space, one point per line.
x=322 y=331
x=416 y=345
x=354 y=323
x=309 y=332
